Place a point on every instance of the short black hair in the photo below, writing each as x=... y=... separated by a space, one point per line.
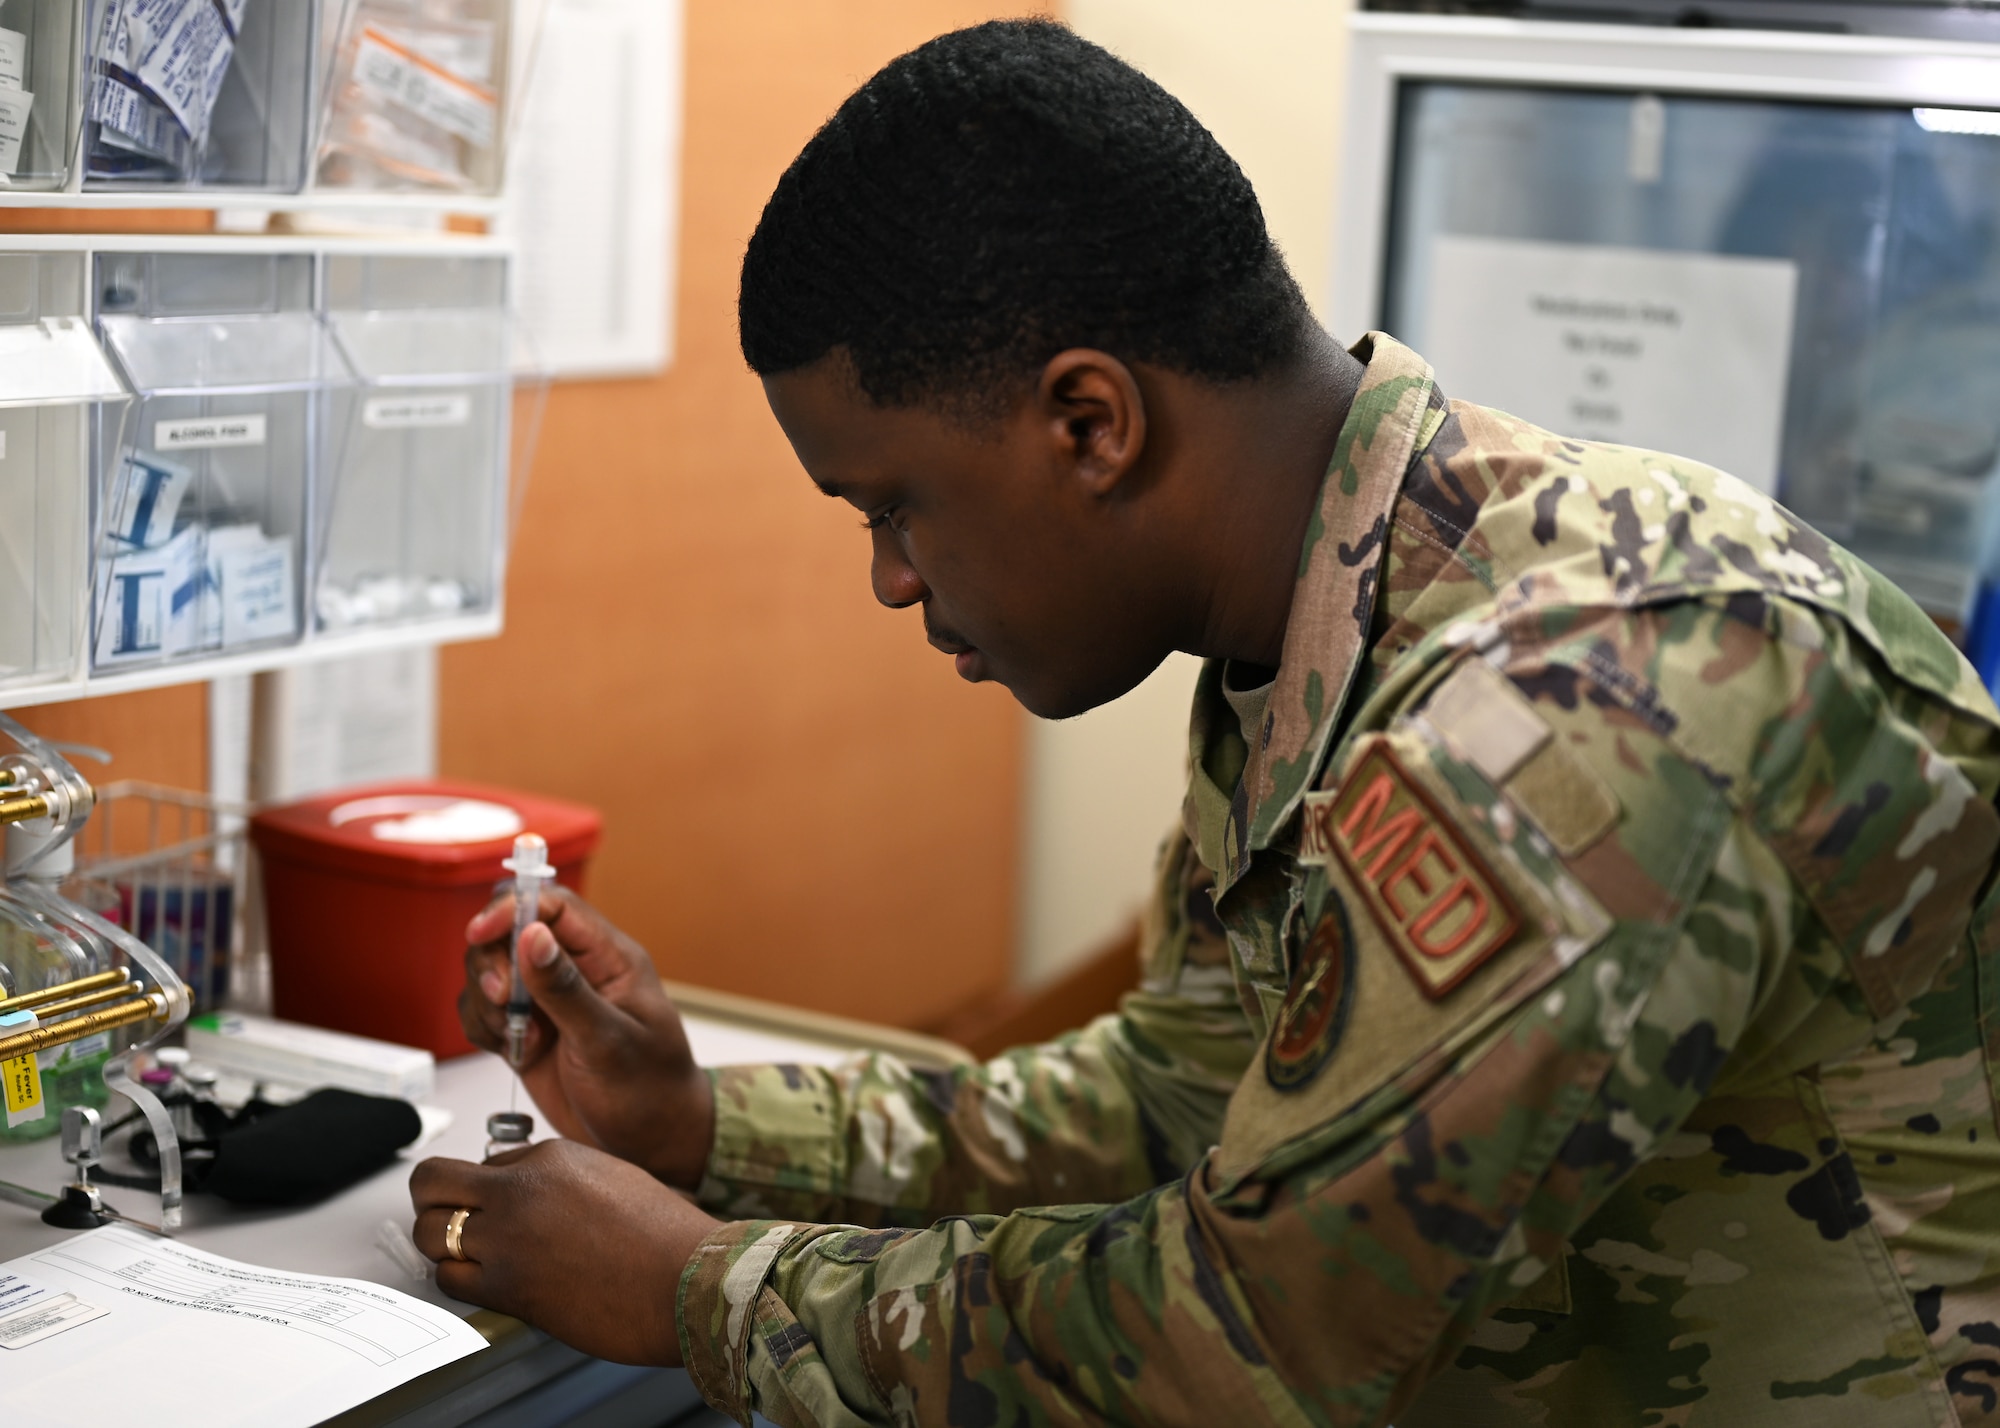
x=998 y=195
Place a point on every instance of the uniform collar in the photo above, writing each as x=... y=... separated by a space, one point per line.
x=1333 y=605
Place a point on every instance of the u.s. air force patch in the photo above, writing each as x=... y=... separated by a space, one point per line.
x=1314 y=1011
x=1437 y=902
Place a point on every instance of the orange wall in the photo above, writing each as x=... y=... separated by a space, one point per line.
x=160 y=735
x=802 y=801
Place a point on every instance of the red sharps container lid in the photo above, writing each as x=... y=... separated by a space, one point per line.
x=431 y=831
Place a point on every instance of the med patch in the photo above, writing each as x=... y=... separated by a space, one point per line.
x=1440 y=906
x=1394 y=1038
x=1314 y=1013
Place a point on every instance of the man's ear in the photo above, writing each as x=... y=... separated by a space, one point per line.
x=1095 y=416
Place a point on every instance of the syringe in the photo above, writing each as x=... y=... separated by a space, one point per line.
x=530 y=866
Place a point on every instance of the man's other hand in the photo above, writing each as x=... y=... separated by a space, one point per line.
x=583 y=1246
x=606 y=1059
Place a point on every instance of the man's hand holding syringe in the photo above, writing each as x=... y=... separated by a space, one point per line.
x=586 y=1236
x=577 y=1008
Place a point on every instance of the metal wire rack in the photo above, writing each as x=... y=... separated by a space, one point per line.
x=174 y=868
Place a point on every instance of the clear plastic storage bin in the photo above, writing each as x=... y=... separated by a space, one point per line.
x=202 y=506
x=413 y=515
x=417 y=96
x=41 y=99
x=200 y=93
x=54 y=383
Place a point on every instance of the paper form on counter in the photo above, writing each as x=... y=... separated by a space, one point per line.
x=211 y=1342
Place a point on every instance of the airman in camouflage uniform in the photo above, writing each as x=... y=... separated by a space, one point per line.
x=1573 y=998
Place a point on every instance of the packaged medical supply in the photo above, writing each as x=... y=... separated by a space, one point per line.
x=149 y=601
x=202 y=590
x=259 y=1048
x=384 y=599
x=157 y=68
x=416 y=98
x=16 y=103
x=148 y=498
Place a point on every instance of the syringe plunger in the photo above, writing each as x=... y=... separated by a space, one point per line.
x=531 y=858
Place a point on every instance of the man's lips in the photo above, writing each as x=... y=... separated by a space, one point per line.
x=965 y=658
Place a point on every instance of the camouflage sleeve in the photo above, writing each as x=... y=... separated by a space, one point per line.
x=1398 y=1164
x=1101 y=1114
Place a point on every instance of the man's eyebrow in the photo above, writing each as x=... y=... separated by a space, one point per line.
x=830 y=490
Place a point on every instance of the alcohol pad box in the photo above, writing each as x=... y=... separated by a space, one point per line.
x=151 y=601
x=148 y=498
x=251 y=575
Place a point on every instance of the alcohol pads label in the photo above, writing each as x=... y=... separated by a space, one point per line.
x=444 y=409
x=196 y=432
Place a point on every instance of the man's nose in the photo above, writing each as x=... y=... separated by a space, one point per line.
x=896 y=581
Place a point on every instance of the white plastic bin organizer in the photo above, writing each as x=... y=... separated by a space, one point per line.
x=199 y=93
x=412 y=522
x=417 y=96
x=202 y=505
x=41 y=100
x=54 y=386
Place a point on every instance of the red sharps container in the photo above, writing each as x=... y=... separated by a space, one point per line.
x=368 y=891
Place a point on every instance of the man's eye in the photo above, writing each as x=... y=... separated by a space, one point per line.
x=878 y=520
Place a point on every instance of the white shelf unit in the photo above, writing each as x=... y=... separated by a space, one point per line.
x=77 y=678
x=312 y=200
x=283 y=132
x=440 y=632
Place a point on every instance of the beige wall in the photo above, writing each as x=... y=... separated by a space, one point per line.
x=1101 y=792
x=1265 y=77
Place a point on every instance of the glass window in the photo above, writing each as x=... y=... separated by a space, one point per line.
x=1888 y=221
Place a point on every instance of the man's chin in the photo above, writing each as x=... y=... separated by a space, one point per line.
x=1053 y=699
x=1052 y=704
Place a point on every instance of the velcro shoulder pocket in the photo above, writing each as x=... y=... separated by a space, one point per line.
x=1441 y=911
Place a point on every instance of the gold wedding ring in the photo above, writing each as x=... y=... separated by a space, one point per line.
x=453 y=1231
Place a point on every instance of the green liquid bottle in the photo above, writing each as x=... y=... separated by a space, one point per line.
x=40 y=954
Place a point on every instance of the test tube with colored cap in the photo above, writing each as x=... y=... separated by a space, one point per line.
x=530 y=866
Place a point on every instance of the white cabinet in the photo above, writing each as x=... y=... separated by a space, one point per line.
x=221 y=455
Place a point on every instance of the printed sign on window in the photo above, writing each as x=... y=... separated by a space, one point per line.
x=1685 y=353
